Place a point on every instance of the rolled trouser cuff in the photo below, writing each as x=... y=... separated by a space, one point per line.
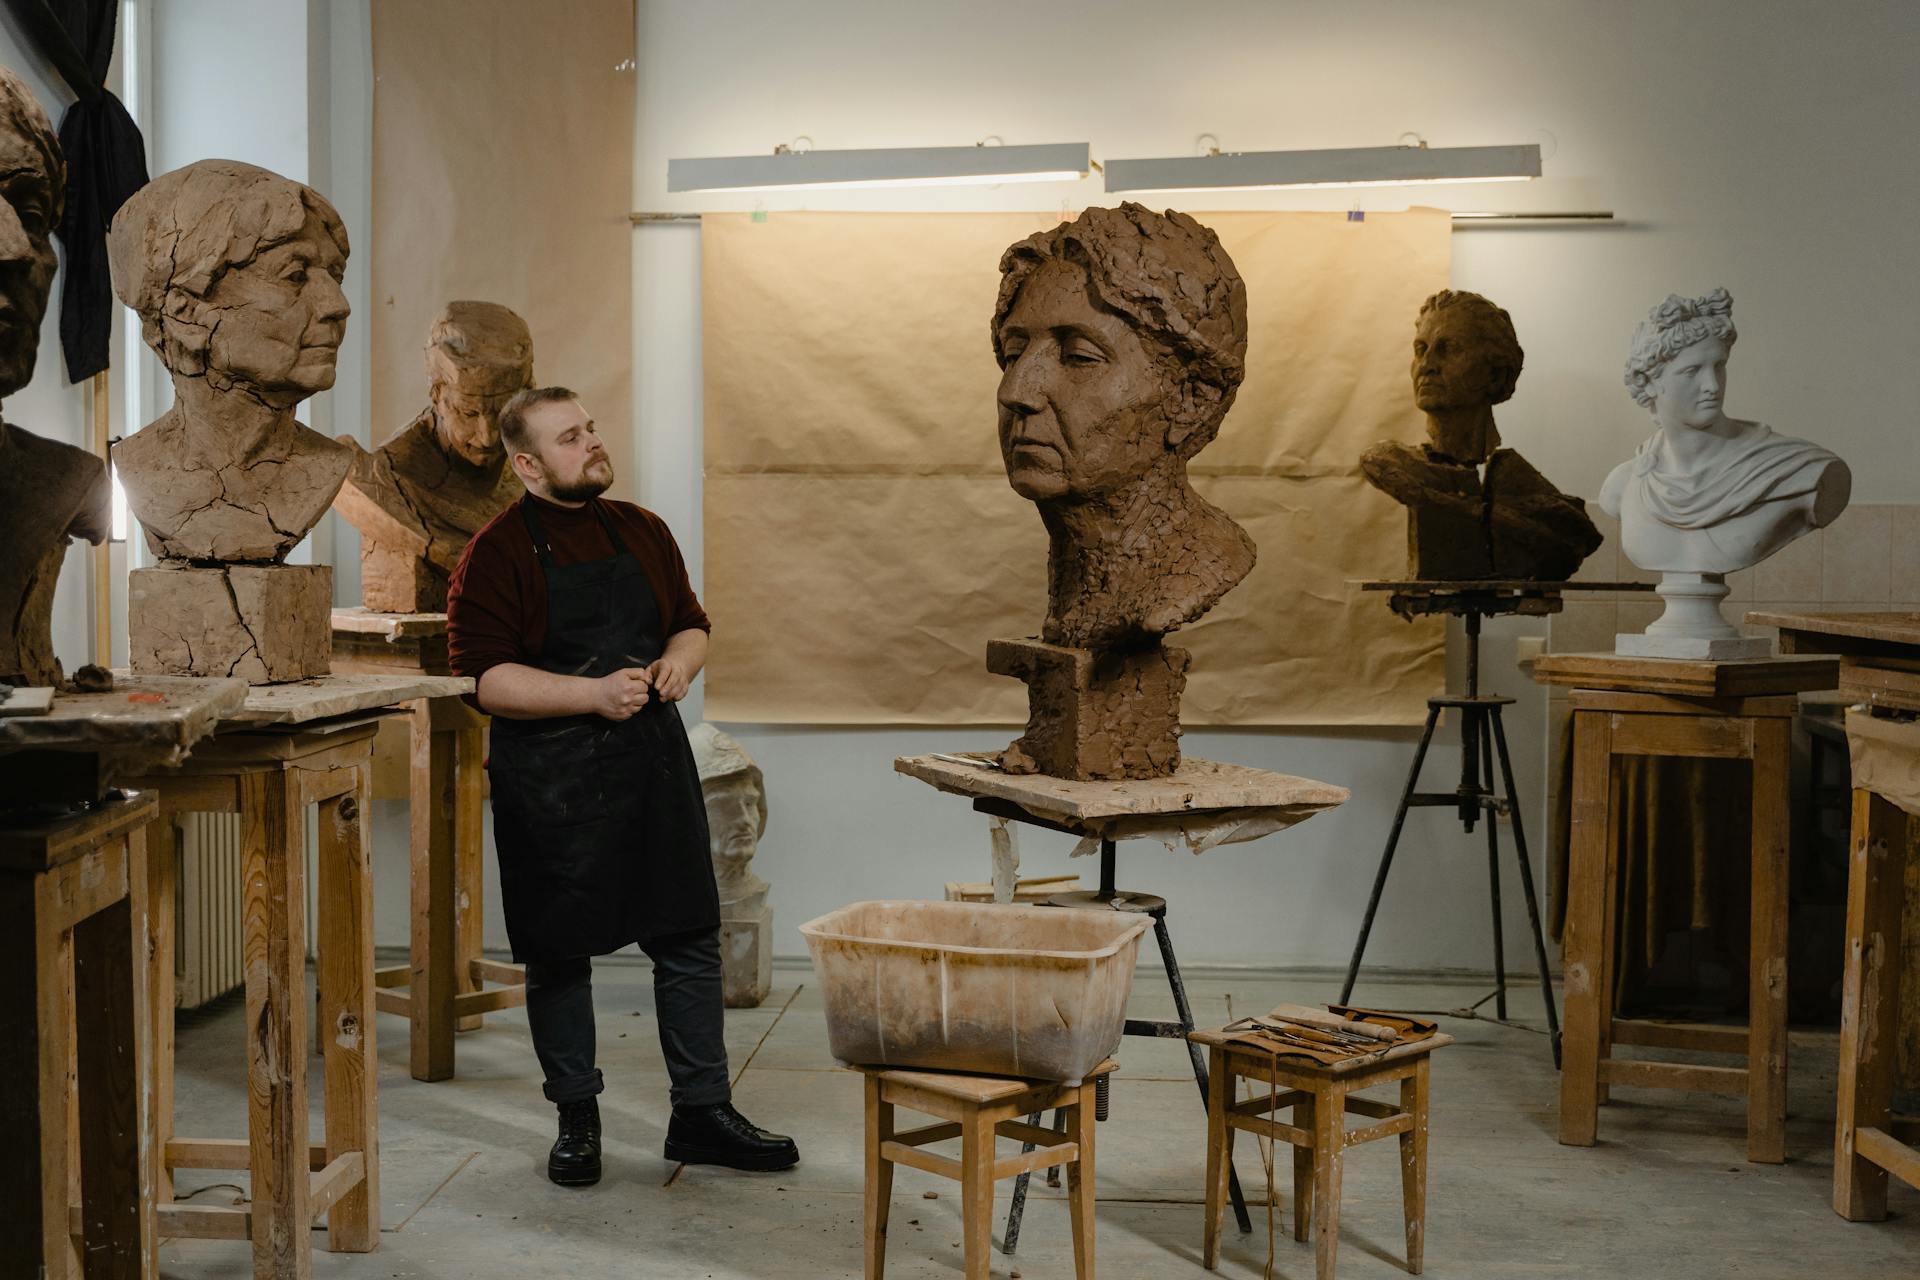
x=575 y=1088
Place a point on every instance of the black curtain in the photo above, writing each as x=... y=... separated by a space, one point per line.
x=106 y=163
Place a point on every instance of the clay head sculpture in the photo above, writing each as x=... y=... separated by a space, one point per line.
x=1466 y=359
x=49 y=492
x=1707 y=494
x=235 y=273
x=1121 y=338
x=478 y=355
x=33 y=180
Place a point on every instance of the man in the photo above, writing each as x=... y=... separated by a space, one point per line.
x=575 y=617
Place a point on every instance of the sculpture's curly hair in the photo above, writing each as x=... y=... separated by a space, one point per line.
x=1671 y=328
x=1496 y=326
x=1169 y=278
x=175 y=237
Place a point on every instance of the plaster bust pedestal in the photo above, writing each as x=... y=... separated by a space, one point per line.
x=1707 y=494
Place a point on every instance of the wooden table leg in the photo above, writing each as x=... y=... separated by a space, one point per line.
x=432 y=953
x=469 y=751
x=1588 y=1000
x=347 y=1020
x=272 y=854
x=879 y=1179
x=1869 y=1000
x=976 y=1192
x=1329 y=1150
x=163 y=880
x=1080 y=1183
x=1302 y=1172
x=1767 y=1001
x=1414 y=1093
x=1219 y=1153
x=109 y=986
x=36 y=1014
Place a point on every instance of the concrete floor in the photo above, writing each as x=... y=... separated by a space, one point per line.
x=1666 y=1194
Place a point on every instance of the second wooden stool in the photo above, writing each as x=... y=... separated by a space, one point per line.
x=1321 y=1098
x=976 y=1110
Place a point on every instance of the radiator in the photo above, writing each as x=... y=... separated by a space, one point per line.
x=207 y=955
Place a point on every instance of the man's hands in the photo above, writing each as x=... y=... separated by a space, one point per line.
x=619 y=695
x=670 y=677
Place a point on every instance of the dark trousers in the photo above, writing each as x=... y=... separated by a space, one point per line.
x=687 y=1005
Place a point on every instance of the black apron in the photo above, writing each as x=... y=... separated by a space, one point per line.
x=600 y=824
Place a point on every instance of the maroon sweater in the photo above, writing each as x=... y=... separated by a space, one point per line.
x=497 y=597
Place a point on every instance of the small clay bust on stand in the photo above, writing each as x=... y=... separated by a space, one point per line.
x=235 y=274
x=736 y=799
x=1475 y=511
x=49 y=492
x=419 y=497
x=1707 y=494
x=1121 y=338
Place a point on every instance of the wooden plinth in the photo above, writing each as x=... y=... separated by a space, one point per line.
x=977 y=1110
x=1615 y=721
x=1321 y=1098
x=443 y=986
x=73 y=986
x=269 y=776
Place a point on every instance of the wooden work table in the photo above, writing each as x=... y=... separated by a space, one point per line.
x=1879 y=656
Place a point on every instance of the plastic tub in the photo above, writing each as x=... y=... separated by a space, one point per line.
x=1035 y=992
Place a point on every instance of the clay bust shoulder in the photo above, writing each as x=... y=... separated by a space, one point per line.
x=1748 y=493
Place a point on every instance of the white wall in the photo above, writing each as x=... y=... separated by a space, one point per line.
x=1763 y=147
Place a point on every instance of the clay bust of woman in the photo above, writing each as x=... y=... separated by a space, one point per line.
x=1707 y=493
x=1121 y=338
x=235 y=274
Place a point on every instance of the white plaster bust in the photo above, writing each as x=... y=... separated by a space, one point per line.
x=1707 y=493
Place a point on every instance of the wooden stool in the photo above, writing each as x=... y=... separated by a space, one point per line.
x=1320 y=1098
x=443 y=986
x=73 y=919
x=1626 y=706
x=977 y=1109
x=269 y=777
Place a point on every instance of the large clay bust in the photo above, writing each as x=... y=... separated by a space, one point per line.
x=1475 y=509
x=1705 y=493
x=235 y=274
x=1122 y=338
x=49 y=492
x=422 y=495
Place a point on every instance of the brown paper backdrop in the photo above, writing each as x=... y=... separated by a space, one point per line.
x=862 y=543
x=503 y=171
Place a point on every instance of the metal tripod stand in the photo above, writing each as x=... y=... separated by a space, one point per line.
x=1482 y=737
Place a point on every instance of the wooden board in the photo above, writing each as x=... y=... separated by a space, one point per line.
x=35 y=701
x=337 y=695
x=389 y=626
x=1890 y=628
x=138 y=725
x=1689 y=677
x=1197 y=786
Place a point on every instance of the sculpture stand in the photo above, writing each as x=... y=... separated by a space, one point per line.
x=1482 y=734
x=442 y=988
x=1201 y=798
x=1692 y=625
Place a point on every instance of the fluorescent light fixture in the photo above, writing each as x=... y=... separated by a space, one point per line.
x=1347 y=167
x=786 y=170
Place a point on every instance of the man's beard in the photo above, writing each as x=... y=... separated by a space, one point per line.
x=581 y=490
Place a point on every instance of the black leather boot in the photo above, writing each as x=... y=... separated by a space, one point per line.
x=575 y=1158
x=720 y=1135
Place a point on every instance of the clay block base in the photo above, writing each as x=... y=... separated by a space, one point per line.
x=746 y=958
x=1094 y=714
x=265 y=623
x=394 y=580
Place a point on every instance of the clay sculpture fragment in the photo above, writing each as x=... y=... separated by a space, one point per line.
x=235 y=274
x=49 y=492
x=736 y=802
x=1706 y=494
x=419 y=497
x=1475 y=510
x=1121 y=339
